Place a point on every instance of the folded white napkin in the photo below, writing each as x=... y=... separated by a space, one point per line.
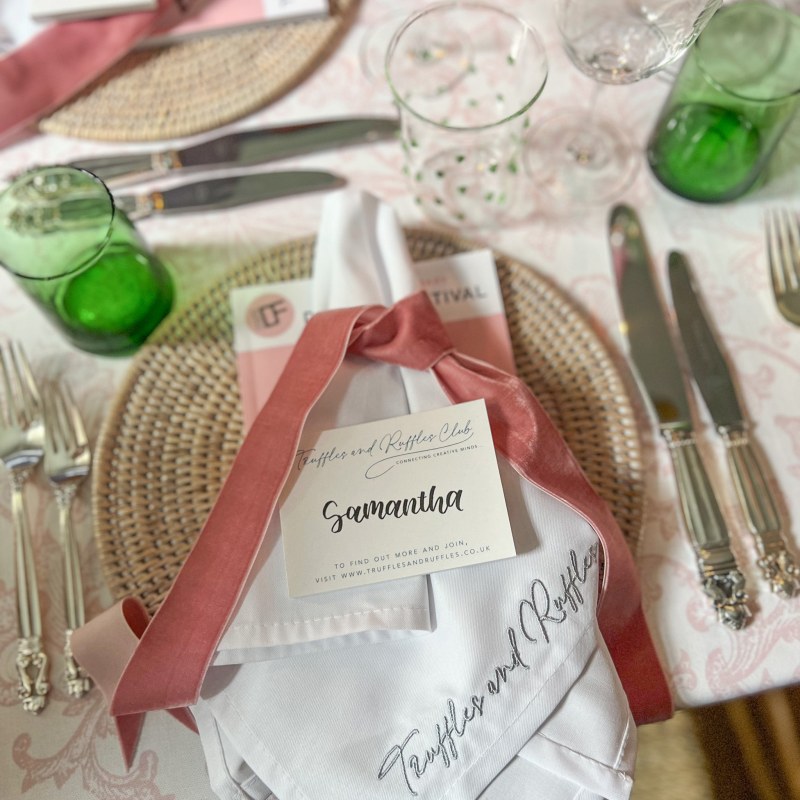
x=268 y=623
x=499 y=700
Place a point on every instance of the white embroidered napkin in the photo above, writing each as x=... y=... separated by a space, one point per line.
x=445 y=713
x=512 y=694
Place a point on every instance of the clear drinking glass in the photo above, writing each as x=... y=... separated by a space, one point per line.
x=732 y=101
x=580 y=156
x=81 y=260
x=464 y=76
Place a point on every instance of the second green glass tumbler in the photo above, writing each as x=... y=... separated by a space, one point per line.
x=81 y=260
x=732 y=101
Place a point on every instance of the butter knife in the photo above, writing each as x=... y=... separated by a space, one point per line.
x=241 y=149
x=655 y=358
x=712 y=376
x=210 y=195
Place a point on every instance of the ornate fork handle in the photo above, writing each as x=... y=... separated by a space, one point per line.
x=78 y=682
x=31 y=660
x=32 y=668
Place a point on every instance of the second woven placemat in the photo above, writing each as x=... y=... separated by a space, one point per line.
x=175 y=427
x=200 y=84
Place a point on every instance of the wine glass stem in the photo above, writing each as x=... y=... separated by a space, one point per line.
x=582 y=147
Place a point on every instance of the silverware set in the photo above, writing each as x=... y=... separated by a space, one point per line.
x=712 y=376
x=243 y=149
x=655 y=355
x=36 y=426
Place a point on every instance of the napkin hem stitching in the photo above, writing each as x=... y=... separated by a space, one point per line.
x=583 y=757
x=307 y=620
x=623 y=743
x=287 y=777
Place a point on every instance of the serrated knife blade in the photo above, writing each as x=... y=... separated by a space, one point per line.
x=713 y=378
x=219 y=193
x=655 y=359
x=241 y=149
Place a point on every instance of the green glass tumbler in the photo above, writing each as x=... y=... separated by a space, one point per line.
x=81 y=260
x=732 y=101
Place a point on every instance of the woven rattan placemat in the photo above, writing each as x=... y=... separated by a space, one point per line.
x=202 y=83
x=175 y=426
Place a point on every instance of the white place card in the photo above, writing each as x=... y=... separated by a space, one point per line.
x=56 y=10
x=394 y=498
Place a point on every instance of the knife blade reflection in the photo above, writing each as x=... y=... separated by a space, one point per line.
x=219 y=193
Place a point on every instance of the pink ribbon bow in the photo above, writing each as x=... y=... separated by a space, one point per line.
x=166 y=668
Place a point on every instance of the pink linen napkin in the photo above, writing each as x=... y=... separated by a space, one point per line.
x=61 y=60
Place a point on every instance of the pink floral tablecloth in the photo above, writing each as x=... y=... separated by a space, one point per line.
x=69 y=751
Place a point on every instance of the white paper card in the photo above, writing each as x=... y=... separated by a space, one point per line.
x=394 y=498
x=86 y=9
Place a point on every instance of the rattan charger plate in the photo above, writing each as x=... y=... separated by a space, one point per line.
x=175 y=425
x=200 y=84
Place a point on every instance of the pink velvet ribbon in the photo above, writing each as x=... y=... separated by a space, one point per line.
x=61 y=60
x=165 y=668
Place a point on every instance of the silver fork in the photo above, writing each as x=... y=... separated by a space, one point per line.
x=67 y=461
x=21 y=446
x=783 y=254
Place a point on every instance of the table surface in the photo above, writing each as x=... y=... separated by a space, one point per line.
x=70 y=750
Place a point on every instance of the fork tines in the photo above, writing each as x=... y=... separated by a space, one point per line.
x=22 y=403
x=783 y=255
x=65 y=429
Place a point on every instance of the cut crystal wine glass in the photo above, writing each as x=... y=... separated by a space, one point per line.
x=577 y=156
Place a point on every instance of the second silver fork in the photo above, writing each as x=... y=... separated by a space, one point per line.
x=21 y=440
x=67 y=461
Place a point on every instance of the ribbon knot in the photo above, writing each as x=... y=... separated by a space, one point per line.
x=167 y=666
x=409 y=334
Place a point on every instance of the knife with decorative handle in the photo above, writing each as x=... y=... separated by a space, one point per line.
x=241 y=149
x=712 y=376
x=653 y=354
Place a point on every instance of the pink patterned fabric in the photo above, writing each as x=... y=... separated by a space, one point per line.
x=119 y=628
x=167 y=667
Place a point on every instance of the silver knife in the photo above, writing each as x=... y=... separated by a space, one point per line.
x=241 y=149
x=210 y=195
x=711 y=374
x=654 y=356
